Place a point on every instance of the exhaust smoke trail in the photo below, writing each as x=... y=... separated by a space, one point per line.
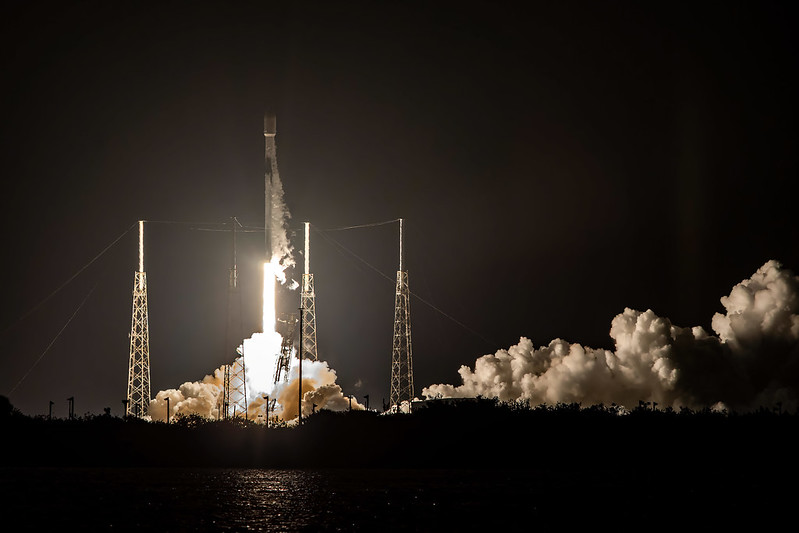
x=752 y=362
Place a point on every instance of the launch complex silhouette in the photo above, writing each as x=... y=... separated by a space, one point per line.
x=234 y=400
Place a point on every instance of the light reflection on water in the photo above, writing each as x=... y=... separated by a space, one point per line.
x=263 y=500
x=166 y=499
x=357 y=500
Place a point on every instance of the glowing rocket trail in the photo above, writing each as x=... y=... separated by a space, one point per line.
x=270 y=280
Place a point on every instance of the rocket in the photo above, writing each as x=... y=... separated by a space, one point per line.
x=270 y=173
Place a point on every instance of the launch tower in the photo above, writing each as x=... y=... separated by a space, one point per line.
x=138 y=397
x=289 y=329
x=308 y=304
x=401 y=354
x=234 y=388
x=234 y=394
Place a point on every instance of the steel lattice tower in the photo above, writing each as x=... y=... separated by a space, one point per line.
x=236 y=394
x=289 y=327
x=224 y=409
x=138 y=398
x=233 y=333
x=401 y=354
x=308 y=304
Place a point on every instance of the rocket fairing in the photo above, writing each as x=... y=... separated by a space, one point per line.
x=270 y=170
x=270 y=124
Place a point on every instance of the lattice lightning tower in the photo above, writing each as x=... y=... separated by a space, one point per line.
x=235 y=395
x=308 y=304
x=224 y=408
x=138 y=398
x=234 y=388
x=401 y=354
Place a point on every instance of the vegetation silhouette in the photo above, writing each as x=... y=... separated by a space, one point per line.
x=467 y=465
x=476 y=433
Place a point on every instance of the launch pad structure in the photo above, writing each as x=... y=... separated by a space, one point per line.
x=234 y=375
x=289 y=327
x=234 y=401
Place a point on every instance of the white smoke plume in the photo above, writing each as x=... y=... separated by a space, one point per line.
x=192 y=398
x=204 y=398
x=752 y=363
x=282 y=249
x=319 y=388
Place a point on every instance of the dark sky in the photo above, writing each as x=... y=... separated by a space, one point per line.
x=554 y=165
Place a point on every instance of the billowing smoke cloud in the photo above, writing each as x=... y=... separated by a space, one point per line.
x=198 y=397
x=319 y=388
x=753 y=362
x=204 y=397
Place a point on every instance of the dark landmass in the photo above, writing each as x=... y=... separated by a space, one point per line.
x=479 y=434
x=476 y=465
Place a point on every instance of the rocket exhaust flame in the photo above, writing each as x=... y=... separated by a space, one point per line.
x=269 y=314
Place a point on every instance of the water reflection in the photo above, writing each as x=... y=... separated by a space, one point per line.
x=178 y=500
x=268 y=500
x=352 y=500
x=164 y=499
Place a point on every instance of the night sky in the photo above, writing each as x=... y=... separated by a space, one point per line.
x=554 y=165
